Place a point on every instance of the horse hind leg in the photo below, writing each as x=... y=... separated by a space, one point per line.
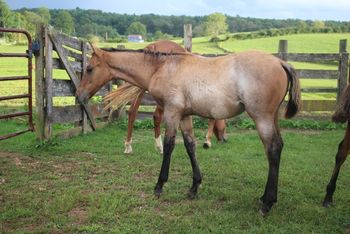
x=220 y=130
x=207 y=143
x=157 y=119
x=273 y=143
x=343 y=150
x=131 y=119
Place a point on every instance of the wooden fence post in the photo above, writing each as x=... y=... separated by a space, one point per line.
x=39 y=83
x=188 y=37
x=343 y=67
x=48 y=85
x=283 y=49
x=84 y=50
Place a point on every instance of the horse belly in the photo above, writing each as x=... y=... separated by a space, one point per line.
x=217 y=109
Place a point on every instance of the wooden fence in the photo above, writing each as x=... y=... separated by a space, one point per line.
x=341 y=74
x=58 y=51
x=72 y=57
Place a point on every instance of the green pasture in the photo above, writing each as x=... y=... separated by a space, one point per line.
x=87 y=185
x=297 y=43
x=315 y=43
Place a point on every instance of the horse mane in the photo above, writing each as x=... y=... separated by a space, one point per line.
x=144 y=51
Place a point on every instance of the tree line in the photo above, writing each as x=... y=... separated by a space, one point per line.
x=115 y=27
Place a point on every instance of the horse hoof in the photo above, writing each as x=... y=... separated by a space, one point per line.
x=263 y=212
x=158 y=192
x=128 y=152
x=327 y=204
x=159 y=145
x=206 y=145
x=192 y=195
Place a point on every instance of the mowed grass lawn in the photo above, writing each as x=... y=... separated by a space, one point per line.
x=86 y=185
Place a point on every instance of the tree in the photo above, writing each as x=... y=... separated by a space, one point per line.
x=32 y=19
x=64 y=22
x=302 y=26
x=5 y=14
x=215 y=24
x=199 y=30
x=137 y=28
x=318 y=24
x=44 y=14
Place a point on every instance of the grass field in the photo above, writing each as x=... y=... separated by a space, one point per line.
x=298 y=43
x=86 y=185
x=316 y=43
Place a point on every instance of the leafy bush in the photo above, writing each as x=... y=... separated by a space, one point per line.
x=245 y=123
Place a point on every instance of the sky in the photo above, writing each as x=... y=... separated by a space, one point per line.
x=278 y=9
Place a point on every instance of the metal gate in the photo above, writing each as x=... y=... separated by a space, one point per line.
x=28 y=54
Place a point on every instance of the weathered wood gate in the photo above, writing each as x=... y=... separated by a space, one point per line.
x=59 y=51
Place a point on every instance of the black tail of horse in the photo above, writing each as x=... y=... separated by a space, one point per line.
x=294 y=100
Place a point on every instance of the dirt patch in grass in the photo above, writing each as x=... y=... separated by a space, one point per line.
x=20 y=160
x=79 y=214
x=25 y=227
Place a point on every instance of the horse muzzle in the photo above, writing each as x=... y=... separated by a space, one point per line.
x=82 y=96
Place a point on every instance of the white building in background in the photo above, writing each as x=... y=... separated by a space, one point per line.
x=135 y=38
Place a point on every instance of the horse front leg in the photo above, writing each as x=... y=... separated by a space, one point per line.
x=273 y=143
x=171 y=123
x=157 y=119
x=207 y=143
x=343 y=150
x=134 y=107
x=190 y=144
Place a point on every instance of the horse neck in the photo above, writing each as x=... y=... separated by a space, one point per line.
x=132 y=67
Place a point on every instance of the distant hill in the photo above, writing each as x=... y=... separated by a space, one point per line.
x=97 y=22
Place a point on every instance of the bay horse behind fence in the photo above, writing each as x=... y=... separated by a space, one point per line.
x=341 y=115
x=128 y=93
x=185 y=84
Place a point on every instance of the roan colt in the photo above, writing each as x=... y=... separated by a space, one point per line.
x=185 y=84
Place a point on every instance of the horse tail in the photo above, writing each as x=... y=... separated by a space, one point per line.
x=294 y=100
x=122 y=96
x=342 y=112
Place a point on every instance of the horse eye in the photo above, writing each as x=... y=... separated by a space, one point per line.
x=89 y=69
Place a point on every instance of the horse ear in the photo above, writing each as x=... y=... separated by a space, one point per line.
x=95 y=49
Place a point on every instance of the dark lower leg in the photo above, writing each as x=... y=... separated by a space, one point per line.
x=343 y=150
x=169 y=144
x=270 y=194
x=191 y=151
